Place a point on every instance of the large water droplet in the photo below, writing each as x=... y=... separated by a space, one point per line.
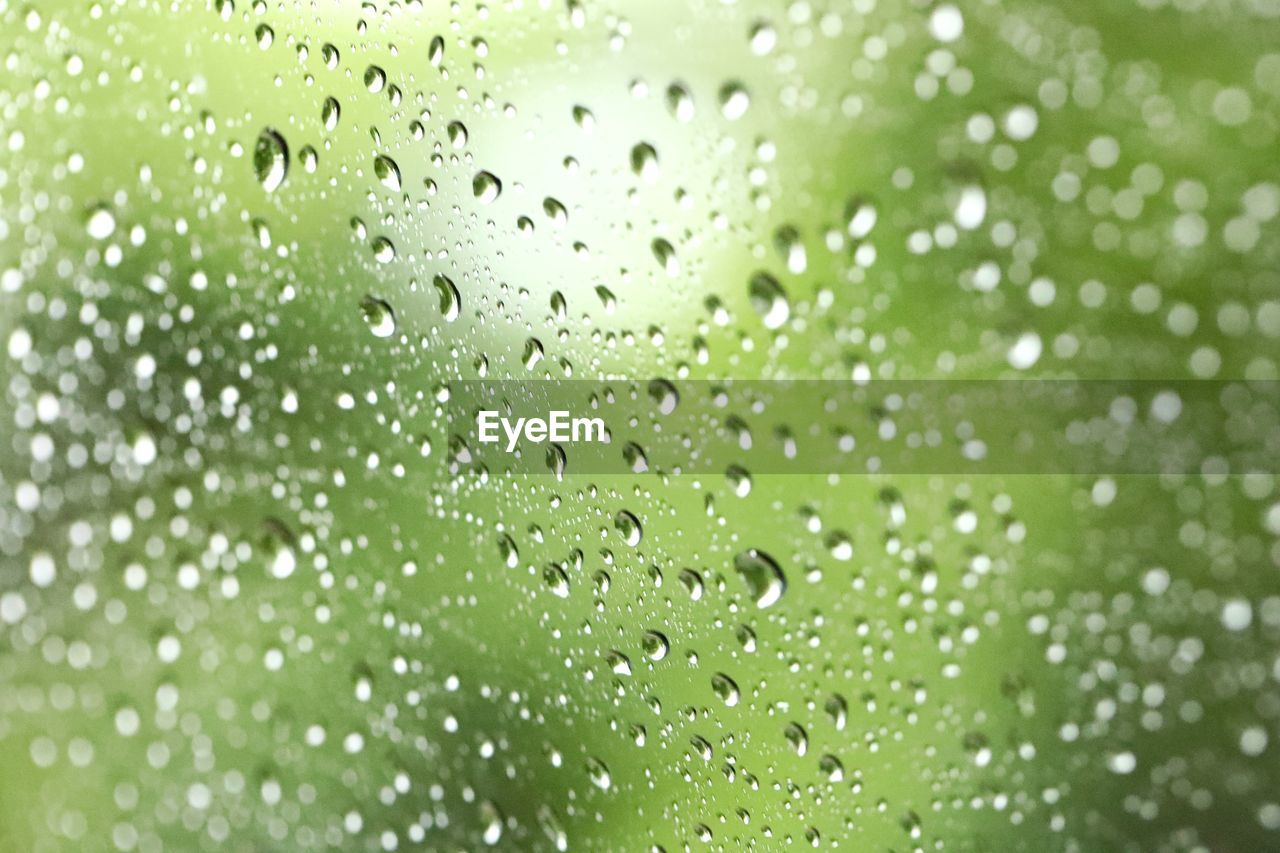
x=797 y=737
x=680 y=102
x=330 y=112
x=734 y=100
x=764 y=578
x=644 y=162
x=665 y=254
x=655 y=645
x=486 y=187
x=769 y=300
x=450 y=299
x=270 y=159
x=387 y=171
x=378 y=316
x=628 y=527
x=726 y=688
x=374 y=78
x=101 y=222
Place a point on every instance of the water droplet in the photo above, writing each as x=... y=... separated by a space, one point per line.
x=264 y=35
x=607 y=299
x=644 y=162
x=861 y=216
x=692 y=582
x=764 y=578
x=270 y=159
x=734 y=100
x=971 y=207
x=486 y=187
x=457 y=132
x=665 y=254
x=619 y=663
x=555 y=211
x=655 y=645
x=946 y=23
x=788 y=244
x=584 y=118
x=797 y=737
x=374 y=79
x=556 y=580
x=450 y=299
x=838 y=710
x=378 y=316
x=840 y=545
x=769 y=300
x=435 y=51
x=763 y=38
x=330 y=112
x=599 y=773
x=510 y=553
x=634 y=455
x=492 y=819
x=384 y=251
x=628 y=527
x=726 y=688
x=101 y=222
x=680 y=102
x=387 y=171
x=309 y=158
x=284 y=562
x=664 y=396
x=533 y=353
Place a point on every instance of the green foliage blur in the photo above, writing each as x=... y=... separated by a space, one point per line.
x=253 y=597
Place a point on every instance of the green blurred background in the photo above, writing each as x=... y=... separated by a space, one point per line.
x=250 y=600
